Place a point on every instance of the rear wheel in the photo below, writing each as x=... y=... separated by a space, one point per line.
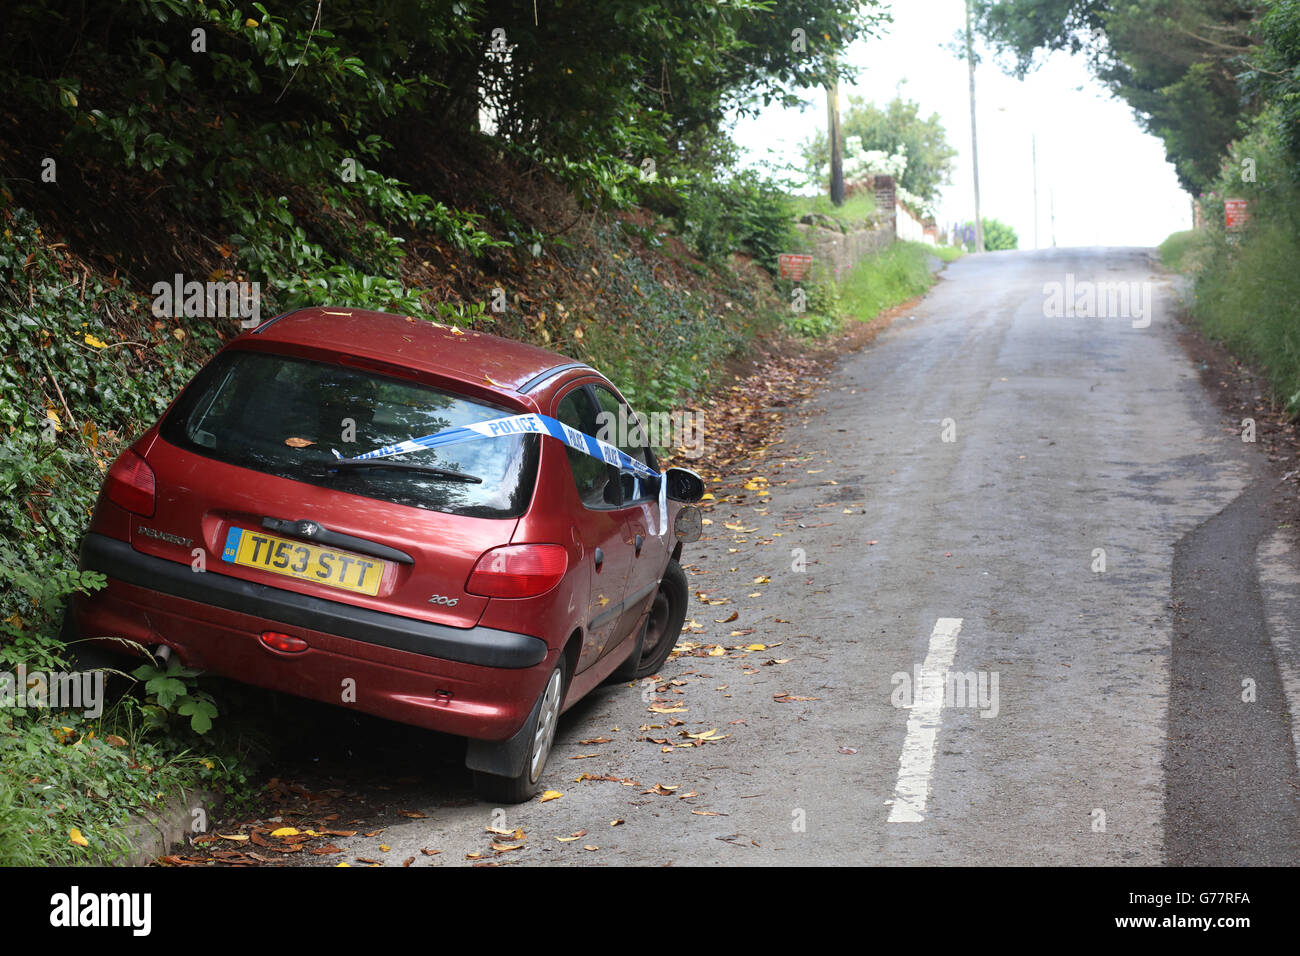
x=542 y=723
x=664 y=625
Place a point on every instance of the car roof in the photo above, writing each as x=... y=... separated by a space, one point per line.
x=509 y=366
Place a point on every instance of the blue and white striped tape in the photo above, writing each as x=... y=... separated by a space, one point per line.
x=528 y=424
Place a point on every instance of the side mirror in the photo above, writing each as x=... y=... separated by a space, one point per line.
x=684 y=485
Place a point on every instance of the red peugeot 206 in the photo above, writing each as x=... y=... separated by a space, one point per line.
x=382 y=513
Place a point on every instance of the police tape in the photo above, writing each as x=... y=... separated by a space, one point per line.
x=528 y=424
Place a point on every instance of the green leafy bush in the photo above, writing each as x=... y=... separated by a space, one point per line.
x=1246 y=283
x=742 y=213
x=997 y=236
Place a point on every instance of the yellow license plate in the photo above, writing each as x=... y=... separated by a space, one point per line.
x=306 y=562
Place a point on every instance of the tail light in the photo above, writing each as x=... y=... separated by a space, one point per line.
x=284 y=643
x=518 y=571
x=131 y=484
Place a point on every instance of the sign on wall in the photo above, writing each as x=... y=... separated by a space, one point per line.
x=793 y=266
x=1236 y=213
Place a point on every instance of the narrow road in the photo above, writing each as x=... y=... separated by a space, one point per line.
x=990 y=491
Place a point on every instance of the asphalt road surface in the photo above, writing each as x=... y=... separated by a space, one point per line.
x=1048 y=508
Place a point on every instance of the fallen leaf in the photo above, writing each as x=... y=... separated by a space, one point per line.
x=74 y=836
x=550 y=795
x=430 y=852
x=727 y=620
x=298 y=442
x=707 y=735
x=412 y=814
x=284 y=832
x=616 y=823
x=506 y=847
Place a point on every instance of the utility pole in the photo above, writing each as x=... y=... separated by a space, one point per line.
x=1033 y=141
x=836 y=141
x=1051 y=193
x=974 y=142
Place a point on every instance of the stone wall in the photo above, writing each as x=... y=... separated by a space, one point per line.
x=836 y=251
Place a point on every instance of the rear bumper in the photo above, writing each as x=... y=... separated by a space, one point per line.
x=474 y=682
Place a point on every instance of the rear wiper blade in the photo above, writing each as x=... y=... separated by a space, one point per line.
x=404 y=466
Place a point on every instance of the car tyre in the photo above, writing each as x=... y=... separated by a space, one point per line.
x=542 y=722
x=664 y=623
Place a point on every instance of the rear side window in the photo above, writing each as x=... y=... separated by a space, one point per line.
x=594 y=478
x=621 y=428
x=283 y=415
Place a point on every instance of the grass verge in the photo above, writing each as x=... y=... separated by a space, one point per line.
x=1178 y=252
x=1246 y=295
x=856 y=208
x=878 y=282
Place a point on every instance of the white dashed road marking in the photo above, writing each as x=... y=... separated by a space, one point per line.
x=917 y=760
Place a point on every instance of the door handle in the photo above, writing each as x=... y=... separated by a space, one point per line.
x=639 y=541
x=599 y=557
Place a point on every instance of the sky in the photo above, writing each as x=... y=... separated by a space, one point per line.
x=1107 y=182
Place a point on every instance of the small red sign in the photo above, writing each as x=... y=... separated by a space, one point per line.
x=793 y=266
x=1236 y=213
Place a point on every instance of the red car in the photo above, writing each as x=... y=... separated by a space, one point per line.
x=280 y=526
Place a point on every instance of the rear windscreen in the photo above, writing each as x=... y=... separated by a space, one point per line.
x=282 y=416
